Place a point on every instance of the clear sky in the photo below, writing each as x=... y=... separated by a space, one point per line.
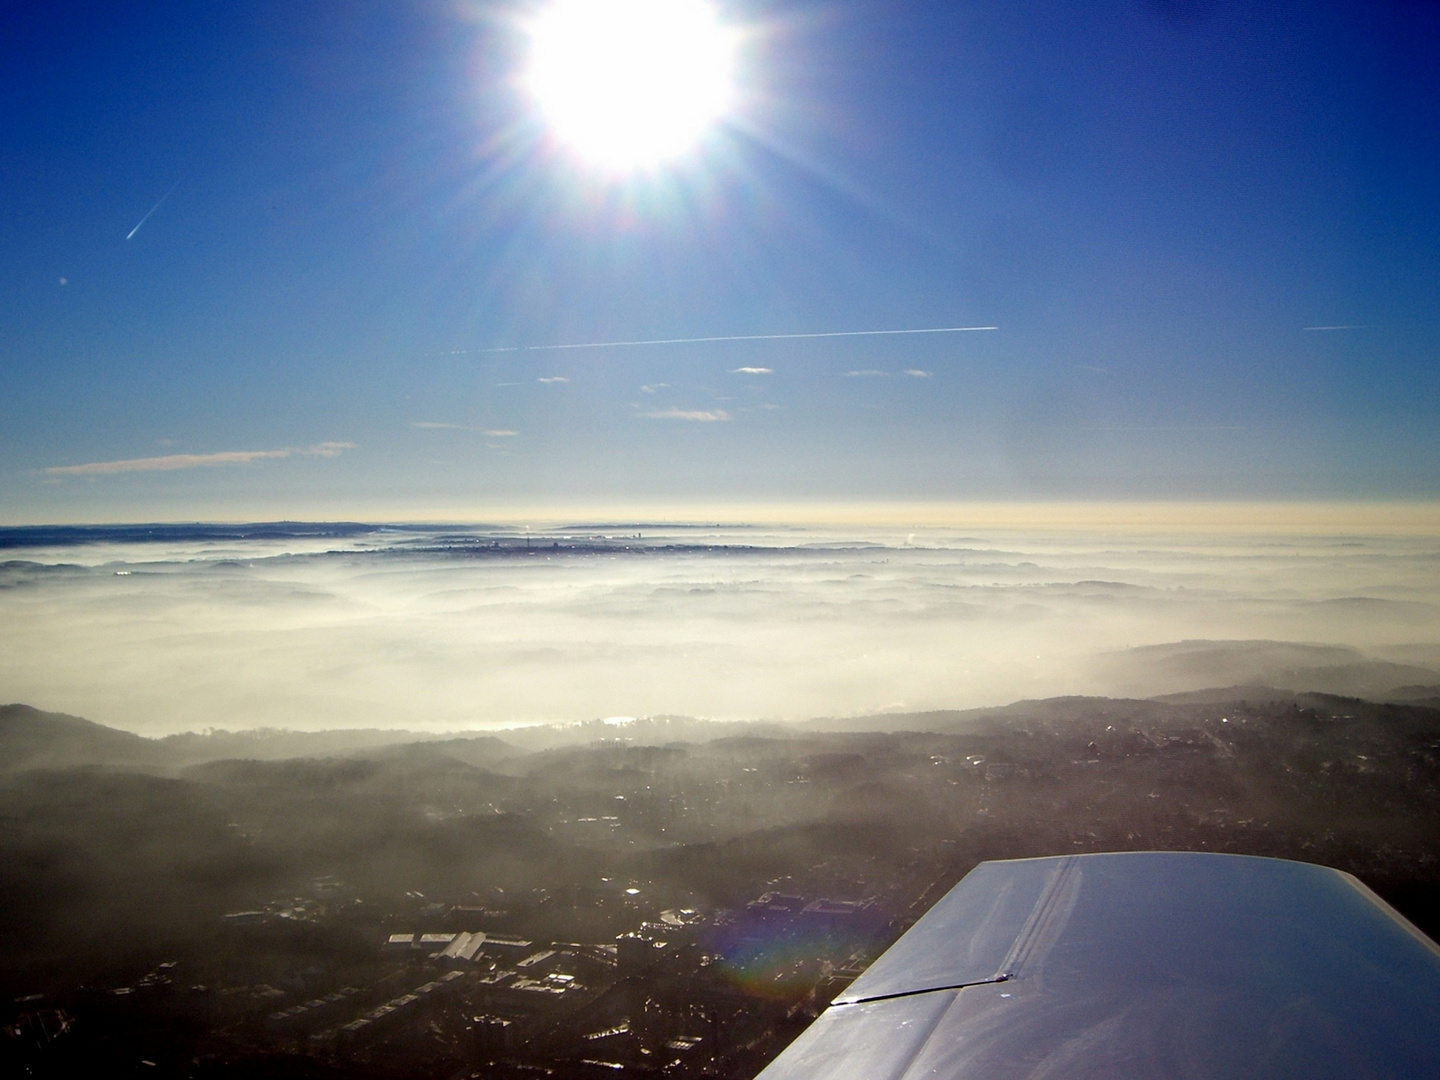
x=342 y=206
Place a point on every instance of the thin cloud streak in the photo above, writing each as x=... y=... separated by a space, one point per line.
x=552 y=379
x=172 y=462
x=725 y=337
x=702 y=416
x=327 y=449
x=434 y=425
x=753 y=371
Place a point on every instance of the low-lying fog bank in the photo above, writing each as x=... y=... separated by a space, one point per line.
x=447 y=629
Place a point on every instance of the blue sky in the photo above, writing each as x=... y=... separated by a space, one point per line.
x=1151 y=201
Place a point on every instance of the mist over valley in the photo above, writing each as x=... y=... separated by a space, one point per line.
x=400 y=802
x=451 y=629
x=687 y=889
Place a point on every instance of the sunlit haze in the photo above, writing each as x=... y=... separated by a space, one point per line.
x=449 y=629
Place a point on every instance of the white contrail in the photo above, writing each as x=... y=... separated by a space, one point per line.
x=728 y=337
x=157 y=206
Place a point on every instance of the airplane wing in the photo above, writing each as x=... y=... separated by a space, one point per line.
x=1139 y=965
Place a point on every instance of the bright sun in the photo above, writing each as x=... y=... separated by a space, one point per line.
x=629 y=84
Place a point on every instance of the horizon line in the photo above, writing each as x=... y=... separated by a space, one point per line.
x=1407 y=515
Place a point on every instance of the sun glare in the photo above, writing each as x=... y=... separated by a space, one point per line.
x=630 y=84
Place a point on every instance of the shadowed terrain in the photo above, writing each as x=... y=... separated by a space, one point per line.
x=288 y=874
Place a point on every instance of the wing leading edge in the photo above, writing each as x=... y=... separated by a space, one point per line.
x=1145 y=964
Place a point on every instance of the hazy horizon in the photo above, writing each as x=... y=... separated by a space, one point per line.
x=1418 y=515
x=465 y=628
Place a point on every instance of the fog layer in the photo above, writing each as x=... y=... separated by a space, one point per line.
x=439 y=630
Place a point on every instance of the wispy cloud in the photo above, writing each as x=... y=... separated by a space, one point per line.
x=753 y=371
x=650 y=388
x=494 y=433
x=703 y=416
x=328 y=449
x=916 y=373
x=166 y=463
x=552 y=379
x=868 y=373
x=171 y=462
